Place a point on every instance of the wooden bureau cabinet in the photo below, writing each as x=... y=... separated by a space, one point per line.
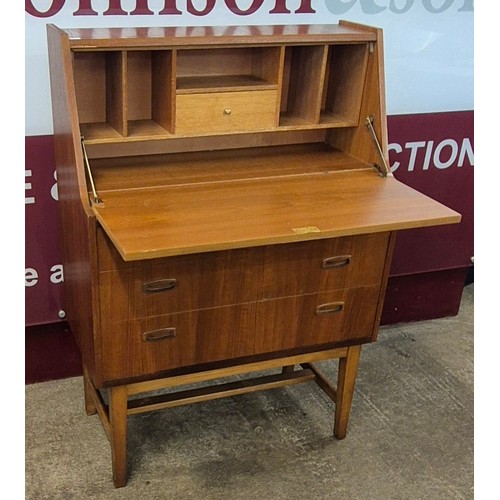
x=226 y=208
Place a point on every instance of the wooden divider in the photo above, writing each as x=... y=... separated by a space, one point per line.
x=131 y=95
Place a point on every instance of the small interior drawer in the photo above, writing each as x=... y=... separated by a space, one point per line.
x=322 y=265
x=225 y=111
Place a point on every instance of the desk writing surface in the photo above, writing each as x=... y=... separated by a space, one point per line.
x=161 y=221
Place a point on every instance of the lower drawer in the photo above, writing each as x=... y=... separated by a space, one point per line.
x=314 y=319
x=151 y=345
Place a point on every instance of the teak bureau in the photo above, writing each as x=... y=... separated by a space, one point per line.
x=226 y=208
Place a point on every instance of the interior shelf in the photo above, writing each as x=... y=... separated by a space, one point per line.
x=326 y=121
x=221 y=83
x=96 y=132
x=145 y=129
x=336 y=120
x=227 y=69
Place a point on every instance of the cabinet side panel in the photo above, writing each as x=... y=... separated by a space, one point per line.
x=357 y=141
x=77 y=222
x=383 y=284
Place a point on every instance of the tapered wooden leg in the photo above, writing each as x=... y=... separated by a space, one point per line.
x=90 y=408
x=118 y=434
x=348 y=369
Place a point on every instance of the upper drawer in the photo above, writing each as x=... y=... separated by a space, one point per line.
x=181 y=283
x=322 y=265
x=225 y=111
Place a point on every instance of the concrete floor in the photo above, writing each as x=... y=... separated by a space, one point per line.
x=410 y=434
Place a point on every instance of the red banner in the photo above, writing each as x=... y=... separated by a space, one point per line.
x=434 y=153
x=44 y=272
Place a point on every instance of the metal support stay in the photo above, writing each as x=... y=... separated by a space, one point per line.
x=95 y=196
x=383 y=168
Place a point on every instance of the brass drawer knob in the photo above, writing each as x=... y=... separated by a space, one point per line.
x=228 y=111
x=156 y=286
x=332 y=308
x=160 y=334
x=337 y=261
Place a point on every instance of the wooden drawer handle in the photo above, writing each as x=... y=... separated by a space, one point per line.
x=339 y=261
x=228 y=111
x=156 y=286
x=332 y=308
x=160 y=334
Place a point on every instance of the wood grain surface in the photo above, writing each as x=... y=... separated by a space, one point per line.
x=134 y=172
x=77 y=221
x=237 y=331
x=225 y=111
x=92 y=38
x=149 y=223
x=232 y=236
